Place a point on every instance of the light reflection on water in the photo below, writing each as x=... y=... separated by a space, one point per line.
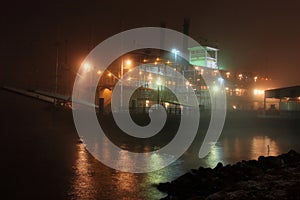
x=230 y=150
x=93 y=180
x=259 y=147
x=214 y=156
x=82 y=186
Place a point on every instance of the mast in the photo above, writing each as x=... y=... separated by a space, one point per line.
x=56 y=70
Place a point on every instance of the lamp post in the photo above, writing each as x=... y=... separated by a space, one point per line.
x=175 y=52
x=158 y=83
x=128 y=63
x=87 y=69
x=122 y=71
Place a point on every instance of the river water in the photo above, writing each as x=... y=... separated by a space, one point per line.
x=41 y=157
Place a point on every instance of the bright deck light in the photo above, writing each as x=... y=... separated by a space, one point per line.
x=128 y=62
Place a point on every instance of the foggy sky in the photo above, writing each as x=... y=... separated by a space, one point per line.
x=254 y=36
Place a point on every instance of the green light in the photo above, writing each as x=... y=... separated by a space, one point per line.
x=222 y=67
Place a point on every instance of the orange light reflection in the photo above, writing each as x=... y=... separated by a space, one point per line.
x=259 y=147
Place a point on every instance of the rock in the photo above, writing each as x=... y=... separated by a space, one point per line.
x=184 y=179
x=268 y=178
x=253 y=163
x=164 y=187
x=197 y=198
x=290 y=157
x=219 y=166
x=270 y=162
x=194 y=171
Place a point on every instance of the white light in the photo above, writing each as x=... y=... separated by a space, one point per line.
x=215 y=88
x=128 y=62
x=221 y=80
x=86 y=67
x=175 y=51
x=158 y=82
x=258 y=92
x=240 y=76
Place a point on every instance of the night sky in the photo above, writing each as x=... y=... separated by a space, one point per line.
x=254 y=36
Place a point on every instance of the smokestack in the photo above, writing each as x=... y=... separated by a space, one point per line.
x=186 y=26
x=162 y=37
x=163 y=24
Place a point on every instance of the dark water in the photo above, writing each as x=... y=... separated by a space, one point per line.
x=41 y=157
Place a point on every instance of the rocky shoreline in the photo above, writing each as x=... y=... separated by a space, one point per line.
x=272 y=177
